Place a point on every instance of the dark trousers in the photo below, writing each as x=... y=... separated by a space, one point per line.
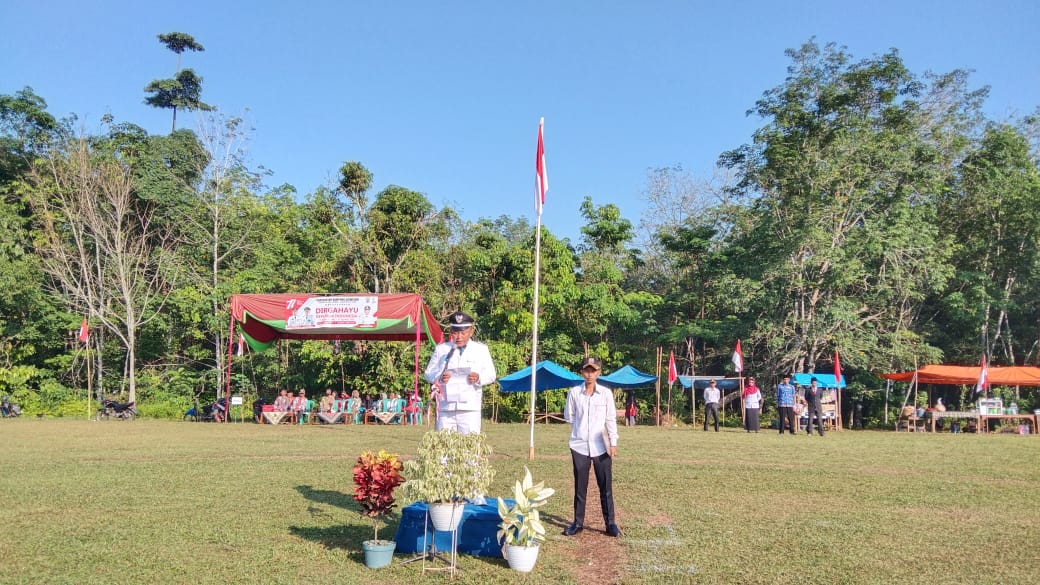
x=602 y=465
x=711 y=409
x=751 y=420
x=787 y=415
x=814 y=411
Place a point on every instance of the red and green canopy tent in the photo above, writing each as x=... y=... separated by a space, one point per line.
x=263 y=319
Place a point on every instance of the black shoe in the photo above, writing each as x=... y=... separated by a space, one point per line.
x=572 y=529
x=613 y=530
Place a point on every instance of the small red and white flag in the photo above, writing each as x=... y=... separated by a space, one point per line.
x=241 y=345
x=541 y=180
x=84 y=331
x=983 y=383
x=837 y=370
x=738 y=358
x=673 y=374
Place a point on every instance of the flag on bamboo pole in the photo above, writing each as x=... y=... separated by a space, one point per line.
x=84 y=331
x=738 y=359
x=541 y=181
x=983 y=384
x=837 y=370
x=673 y=374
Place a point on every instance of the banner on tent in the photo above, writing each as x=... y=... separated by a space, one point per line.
x=331 y=311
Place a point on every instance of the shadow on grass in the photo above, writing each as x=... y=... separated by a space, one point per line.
x=330 y=497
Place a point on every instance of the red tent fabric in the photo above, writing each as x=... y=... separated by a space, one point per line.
x=937 y=374
x=265 y=318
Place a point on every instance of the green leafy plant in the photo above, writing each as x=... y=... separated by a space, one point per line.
x=521 y=525
x=376 y=475
x=449 y=467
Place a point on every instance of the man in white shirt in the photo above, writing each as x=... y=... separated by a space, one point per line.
x=711 y=404
x=590 y=411
x=459 y=398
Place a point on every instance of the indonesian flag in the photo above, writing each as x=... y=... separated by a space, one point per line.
x=241 y=345
x=837 y=370
x=541 y=179
x=738 y=358
x=84 y=331
x=983 y=383
x=673 y=374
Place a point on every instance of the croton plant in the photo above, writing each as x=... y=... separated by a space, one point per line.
x=376 y=475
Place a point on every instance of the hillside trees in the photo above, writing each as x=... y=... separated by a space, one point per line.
x=842 y=234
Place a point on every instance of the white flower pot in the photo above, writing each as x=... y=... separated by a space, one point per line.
x=521 y=558
x=445 y=515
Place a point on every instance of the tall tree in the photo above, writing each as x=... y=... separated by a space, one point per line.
x=184 y=89
x=98 y=243
x=843 y=237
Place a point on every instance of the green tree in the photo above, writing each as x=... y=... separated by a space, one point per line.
x=842 y=236
x=183 y=91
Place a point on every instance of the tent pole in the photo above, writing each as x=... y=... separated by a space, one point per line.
x=657 y=387
x=227 y=371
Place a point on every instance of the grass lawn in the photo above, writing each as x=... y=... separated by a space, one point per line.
x=176 y=502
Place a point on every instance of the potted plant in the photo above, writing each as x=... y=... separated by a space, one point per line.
x=376 y=475
x=521 y=531
x=449 y=468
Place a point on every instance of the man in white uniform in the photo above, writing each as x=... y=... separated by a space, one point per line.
x=459 y=369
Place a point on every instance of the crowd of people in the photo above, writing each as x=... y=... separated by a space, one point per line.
x=342 y=408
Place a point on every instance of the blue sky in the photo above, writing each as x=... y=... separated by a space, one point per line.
x=444 y=97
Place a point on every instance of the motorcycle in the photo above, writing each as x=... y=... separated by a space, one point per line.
x=113 y=409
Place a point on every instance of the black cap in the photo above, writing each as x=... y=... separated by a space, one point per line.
x=459 y=320
x=590 y=362
x=813 y=379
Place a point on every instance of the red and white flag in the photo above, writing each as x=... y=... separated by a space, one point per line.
x=84 y=331
x=541 y=180
x=837 y=370
x=738 y=359
x=983 y=383
x=673 y=374
x=241 y=345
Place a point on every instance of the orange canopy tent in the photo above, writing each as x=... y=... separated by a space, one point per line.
x=263 y=319
x=997 y=376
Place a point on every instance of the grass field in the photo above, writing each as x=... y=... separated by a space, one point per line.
x=170 y=502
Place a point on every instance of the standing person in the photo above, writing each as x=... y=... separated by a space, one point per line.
x=459 y=400
x=711 y=404
x=752 y=398
x=785 y=404
x=593 y=442
x=813 y=397
x=630 y=411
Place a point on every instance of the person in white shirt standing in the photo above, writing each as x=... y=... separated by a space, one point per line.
x=591 y=413
x=711 y=404
x=459 y=401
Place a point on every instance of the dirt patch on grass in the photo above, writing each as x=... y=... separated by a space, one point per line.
x=597 y=559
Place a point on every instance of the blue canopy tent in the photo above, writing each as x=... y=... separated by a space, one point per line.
x=627 y=377
x=822 y=380
x=698 y=383
x=548 y=376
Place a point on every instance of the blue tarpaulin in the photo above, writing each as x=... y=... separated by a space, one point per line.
x=627 y=377
x=822 y=380
x=550 y=376
x=701 y=382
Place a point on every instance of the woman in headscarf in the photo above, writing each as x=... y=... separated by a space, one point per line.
x=752 y=398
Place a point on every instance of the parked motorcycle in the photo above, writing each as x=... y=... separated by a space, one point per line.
x=113 y=409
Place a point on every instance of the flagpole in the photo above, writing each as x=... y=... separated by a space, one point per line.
x=541 y=185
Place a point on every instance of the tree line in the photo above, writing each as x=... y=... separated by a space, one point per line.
x=876 y=211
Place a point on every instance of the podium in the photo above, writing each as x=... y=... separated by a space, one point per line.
x=475 y=535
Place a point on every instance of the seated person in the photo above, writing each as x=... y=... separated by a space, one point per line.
x=299 y=406
x=328 y=402
x=354 y=407
x=413 y=411
x=258 y=408
x=396 y=406
x=283 y=402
